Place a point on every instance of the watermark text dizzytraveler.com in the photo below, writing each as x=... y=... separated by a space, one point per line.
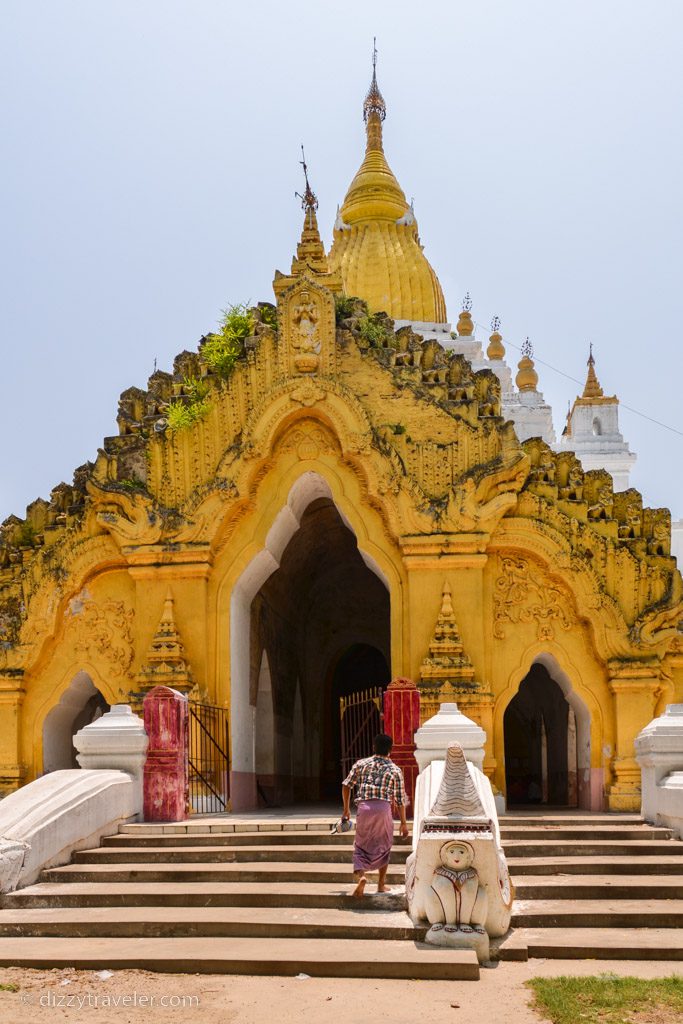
x=99 y=1000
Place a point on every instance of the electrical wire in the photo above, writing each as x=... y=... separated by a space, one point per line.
x=568 y=376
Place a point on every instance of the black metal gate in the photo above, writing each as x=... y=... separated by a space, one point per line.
x=360 y=716
x=209 y=758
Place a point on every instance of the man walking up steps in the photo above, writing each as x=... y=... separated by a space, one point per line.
x=378 y=784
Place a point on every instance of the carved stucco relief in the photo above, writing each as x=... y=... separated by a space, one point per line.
x=102 y=629
x=522 y=595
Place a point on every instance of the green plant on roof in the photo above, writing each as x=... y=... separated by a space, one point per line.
x=344 y=306
x=372 y=330
x=268 y=316
x=183 y=412
x=222 y=349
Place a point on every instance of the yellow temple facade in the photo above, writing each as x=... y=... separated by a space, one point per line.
x=320 y=499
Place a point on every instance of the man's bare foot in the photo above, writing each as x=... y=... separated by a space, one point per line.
x=360 y=888
x=384 y=888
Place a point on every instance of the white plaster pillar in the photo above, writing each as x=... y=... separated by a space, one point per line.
x=446 y=726
x=659 y=752
x=118 y=741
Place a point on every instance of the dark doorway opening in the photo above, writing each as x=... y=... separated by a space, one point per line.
x=540 y=744
x=361 y=667
x=320 y=629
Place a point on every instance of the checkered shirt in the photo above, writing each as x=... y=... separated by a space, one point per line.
x=377 y=778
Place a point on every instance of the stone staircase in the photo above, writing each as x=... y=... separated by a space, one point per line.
x=269 y=896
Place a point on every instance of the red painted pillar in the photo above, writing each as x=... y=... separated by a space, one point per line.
x=401 y=722
x=166 y=778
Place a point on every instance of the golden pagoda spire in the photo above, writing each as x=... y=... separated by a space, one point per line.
x=592 y=387
x=374 y=193
x=376 y=245
x=527 y=378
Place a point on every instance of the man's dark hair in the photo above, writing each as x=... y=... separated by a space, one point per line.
x=383 y=744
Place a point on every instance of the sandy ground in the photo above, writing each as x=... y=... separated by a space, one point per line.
x=500 y=997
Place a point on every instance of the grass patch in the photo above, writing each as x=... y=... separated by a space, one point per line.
x=609 y=999
x=8 y=986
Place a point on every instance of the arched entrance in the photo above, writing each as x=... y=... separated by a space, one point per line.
x=80 y=704
x=310 y=623
x=547 y=741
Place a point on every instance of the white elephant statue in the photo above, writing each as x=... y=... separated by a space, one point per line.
x=457 y=878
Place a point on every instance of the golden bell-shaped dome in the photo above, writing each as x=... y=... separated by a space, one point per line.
x=376 y=244
x=465 y=326
x=496 y=348
x=527 y=378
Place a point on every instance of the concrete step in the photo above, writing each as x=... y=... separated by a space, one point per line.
x=592 y=848
x=337 y=958
x=625 y=864
x=319 y=839
x=322 y=895
x=598 y=913
x=341 y=853
x=230 y=823
x=593 y=944
x=585 y=833
x=323 y=822
x=599 y=887
x=570 y=819
x=229 y=854
x=209 y=872
x=354 y=922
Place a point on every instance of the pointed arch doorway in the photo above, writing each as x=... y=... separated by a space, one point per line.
x=80 y=704
x=310 y=621
x=546 y=730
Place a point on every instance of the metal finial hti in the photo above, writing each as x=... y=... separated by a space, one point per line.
x=495 y=325
x=591 y=360
x=528 y=349
x=467 y=303
x=374 y=101
x=309 y=200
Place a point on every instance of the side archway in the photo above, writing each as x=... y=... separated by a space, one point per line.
x=80 y=704
x=555 y=725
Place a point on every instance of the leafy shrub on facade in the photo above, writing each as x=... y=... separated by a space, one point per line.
x=222 y=349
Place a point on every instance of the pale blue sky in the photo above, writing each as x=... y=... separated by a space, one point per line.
x=149 y=158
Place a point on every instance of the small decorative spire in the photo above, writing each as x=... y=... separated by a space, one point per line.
x=446 y=672
x=592 y=387
x=496 y=348
x=309 y=200
x=465 y=326
x=527 y=378
x=166 y=664
x=310 y=252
